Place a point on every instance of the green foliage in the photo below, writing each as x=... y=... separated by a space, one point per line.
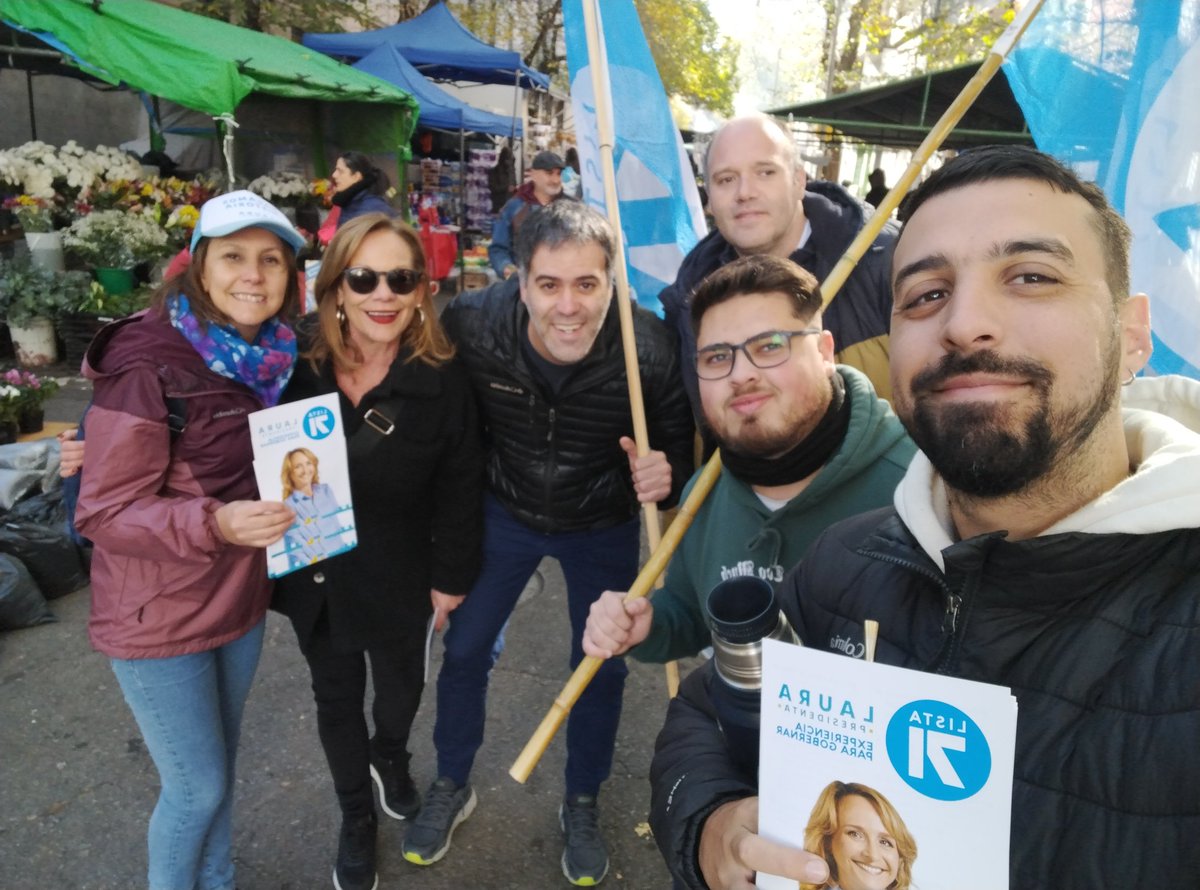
x=28 y=291
x=100 y=302
x=936 y=34
x=695 y=62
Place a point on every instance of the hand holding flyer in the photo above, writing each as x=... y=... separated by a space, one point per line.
x=898 y=778
x=300 y=459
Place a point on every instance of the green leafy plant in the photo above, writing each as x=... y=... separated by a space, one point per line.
x=28 y=292
x=98 y=301
x=115 y=239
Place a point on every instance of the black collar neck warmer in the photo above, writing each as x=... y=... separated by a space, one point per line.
x=808 y=456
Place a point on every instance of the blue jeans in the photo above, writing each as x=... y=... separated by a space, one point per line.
x=189 y=709
x=592 y=562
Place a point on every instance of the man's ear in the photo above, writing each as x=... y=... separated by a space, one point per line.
x=826 y=346
x=801 y=176
x=1136 y=344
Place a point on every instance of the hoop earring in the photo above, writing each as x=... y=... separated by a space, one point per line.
x=340 y=315
x=421 y=316
x=1128 y=380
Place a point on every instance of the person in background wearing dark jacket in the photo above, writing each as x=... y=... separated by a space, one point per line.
x=543 y=186
x=179 y=574
x=545 y=357
x=416 y=480
x=359 y=187
x=762 y=202
x=879 y=188
x=803 y=441
x=1046 y=538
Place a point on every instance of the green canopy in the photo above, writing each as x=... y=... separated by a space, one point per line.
x=195 y=61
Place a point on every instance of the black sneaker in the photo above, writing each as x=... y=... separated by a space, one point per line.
x=355 y=868
x=446 y=807
x=397 y=794
x=585 y=858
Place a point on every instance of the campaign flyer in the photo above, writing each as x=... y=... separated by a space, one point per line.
x=300 y=459
x=899 y=778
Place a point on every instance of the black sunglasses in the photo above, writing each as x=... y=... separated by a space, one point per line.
x=399 y=281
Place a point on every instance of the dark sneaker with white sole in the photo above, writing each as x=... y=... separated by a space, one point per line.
x=584 y=858
x=398 y=796
x=355 y=868
x=446 y=807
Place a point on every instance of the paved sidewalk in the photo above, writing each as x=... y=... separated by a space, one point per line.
x=78 y=786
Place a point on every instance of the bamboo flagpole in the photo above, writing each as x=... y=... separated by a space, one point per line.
x=598 y=65
x=541 y=738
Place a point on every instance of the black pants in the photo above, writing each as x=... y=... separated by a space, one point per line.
x=339 y=682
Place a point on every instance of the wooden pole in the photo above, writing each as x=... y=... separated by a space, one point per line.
x=604 y=130
x=657 y=563
x=641 y=586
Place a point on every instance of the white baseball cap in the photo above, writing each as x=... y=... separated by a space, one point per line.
x=234 y=211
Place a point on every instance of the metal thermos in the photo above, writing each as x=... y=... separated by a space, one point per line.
x=742 y=612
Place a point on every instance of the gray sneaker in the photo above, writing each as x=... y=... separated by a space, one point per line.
x=585 y=858
x=446 y=806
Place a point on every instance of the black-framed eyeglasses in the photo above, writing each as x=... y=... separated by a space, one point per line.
x=399 y=281
x=765 y=350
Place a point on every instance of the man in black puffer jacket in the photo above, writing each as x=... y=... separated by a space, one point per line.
x=1044 y=539
x=544 y=353
x=763 y=203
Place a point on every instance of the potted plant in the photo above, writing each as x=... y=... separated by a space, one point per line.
x=98 y=307
x=31 y=297
x=39 y=219
x=115 y=240
x=34 y=391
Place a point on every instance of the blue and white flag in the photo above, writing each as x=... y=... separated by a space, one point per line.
x=1109 y=87
x=661 y=217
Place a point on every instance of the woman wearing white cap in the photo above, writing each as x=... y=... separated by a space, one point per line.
x=179 y=581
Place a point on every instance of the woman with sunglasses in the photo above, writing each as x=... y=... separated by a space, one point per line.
x=416 y=478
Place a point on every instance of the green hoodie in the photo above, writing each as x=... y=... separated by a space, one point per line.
x=735 y=534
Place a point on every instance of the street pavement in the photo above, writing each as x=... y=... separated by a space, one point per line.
x=77 y=785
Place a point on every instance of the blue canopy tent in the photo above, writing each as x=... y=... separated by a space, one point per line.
x=439 y=110
x=438 y=46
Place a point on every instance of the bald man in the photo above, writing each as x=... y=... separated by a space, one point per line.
x=764 y=203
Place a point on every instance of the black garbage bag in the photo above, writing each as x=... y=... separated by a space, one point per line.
x=21 y=603
x=49 y=554
x=46 y=508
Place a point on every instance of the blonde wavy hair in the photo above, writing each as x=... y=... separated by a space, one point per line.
x=823 y=823
x=424 y=336
x=285 y=474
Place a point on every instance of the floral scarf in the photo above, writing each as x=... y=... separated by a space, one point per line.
x=264 y=365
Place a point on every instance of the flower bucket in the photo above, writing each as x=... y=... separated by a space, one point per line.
x=45 y=250
x=31 y=420
x=116 y=281
x=35 y=344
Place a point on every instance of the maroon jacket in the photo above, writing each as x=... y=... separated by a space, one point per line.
x=164 y=581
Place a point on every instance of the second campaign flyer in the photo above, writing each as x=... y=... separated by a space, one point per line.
x=898 y=778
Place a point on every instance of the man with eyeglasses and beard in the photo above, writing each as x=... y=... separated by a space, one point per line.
x=544 y=353
x=804 y=443
x=1044 y=539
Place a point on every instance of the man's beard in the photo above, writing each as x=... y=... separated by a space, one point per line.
x=754 y=439
x=971 y=446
